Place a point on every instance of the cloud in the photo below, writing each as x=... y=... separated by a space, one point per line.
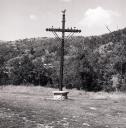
x=66 y=0
x=96 y=19
x=33 y=17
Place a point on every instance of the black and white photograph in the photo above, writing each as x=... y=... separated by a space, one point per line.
x=62 y=63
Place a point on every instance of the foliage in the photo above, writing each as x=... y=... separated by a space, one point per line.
x=90 y=62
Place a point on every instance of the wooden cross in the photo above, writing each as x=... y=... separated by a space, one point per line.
x=63 y=30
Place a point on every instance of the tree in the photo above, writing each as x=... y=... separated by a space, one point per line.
x=20 y=69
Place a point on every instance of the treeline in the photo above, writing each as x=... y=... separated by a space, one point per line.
x=91 y=63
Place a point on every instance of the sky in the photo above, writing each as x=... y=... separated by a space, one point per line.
x=21 y=19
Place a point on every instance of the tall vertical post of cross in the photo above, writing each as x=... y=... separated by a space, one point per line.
x=63 y=30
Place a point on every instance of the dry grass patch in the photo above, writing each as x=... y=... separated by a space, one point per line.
x=105 y=95
x=45 y=91
x=33 y=107
x=34 y=90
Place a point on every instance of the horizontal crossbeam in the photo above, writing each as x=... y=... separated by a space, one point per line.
x=63 y=30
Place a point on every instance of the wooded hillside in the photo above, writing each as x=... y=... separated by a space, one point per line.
x=90 y=62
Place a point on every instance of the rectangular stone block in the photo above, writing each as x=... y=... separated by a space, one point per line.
x=60 y=95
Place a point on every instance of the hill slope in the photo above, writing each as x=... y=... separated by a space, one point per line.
x=90 y=62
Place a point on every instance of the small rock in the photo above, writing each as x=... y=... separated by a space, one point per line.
x=86 y=124
x=40 y=125
x=66 y=124
x=92 y=108
x=65 y=118
x=24 y=118
x=49 y=126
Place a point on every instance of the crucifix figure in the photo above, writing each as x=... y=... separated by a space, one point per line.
x=63 y=30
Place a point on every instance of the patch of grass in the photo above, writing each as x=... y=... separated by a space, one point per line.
x=37 y=90
x=33 y=107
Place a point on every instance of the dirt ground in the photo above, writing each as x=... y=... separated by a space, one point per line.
x=30 y=109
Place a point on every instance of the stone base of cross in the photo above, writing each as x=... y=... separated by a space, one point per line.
x=60 y=95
